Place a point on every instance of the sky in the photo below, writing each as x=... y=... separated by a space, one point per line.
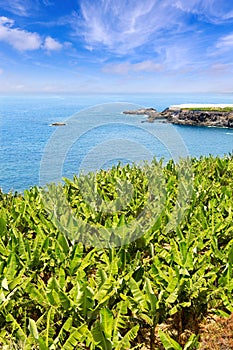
x=116 y=46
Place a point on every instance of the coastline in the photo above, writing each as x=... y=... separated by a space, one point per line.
x=209 y=115
x=25 y=130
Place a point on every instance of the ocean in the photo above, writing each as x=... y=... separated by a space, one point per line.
x=97 y=135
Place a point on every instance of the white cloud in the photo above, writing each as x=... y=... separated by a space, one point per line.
x=6 y=21
x=127 y=67
x=1 y=71
x=21 y=40
x=51 y=44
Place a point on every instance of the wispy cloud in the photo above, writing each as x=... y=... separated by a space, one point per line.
x=225 y=42
x=23 y=40
x=127 y=67
x=213 y=11
x=48 y=3
x=122 y=26
x=24 y=8
x=17 y=7
x=153 y=42
x=219 y=68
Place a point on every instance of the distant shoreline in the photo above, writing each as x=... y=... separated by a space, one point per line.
x=209 y=114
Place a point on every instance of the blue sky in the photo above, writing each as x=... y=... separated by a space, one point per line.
x=116 y=46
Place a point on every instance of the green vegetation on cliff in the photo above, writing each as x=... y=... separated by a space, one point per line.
x=85 y=283
x=209 y=109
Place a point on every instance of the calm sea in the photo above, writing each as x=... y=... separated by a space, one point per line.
x=97 y=135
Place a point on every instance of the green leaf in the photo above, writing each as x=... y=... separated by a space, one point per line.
x=77 y=336
x=48 y=326
x=3 y=222
x=105 y=289
x=106 y=321
x=17 y=326
x=100 y=338
x=192 y=342
x=11 y=268
x=172 y=297
x=119 y=320
x=85 y=299
x=33 y=329
x=173 y=280
x=37 y=293
x=62 y=240
x=101 y=277
x=151 y=296
x=5 y=283
x=138 y=295
x=66 y=327
x=124 y=343
x=64 y=299
x=168 y=342
x=42 y=344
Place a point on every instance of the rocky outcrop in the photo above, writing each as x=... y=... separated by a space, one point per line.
x=198 y=117
x=152 y=113
x=184 y=116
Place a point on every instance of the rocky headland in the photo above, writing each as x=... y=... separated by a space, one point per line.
x=152 y=113
x=198 y=115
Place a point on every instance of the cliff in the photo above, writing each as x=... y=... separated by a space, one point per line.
x=202 y=115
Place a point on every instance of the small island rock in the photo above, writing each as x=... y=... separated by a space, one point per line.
x=58 y=124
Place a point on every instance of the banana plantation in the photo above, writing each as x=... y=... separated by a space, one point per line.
x=134 y=257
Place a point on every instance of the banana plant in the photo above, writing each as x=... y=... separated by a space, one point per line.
x=58 y=292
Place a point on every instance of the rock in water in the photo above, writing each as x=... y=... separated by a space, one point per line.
x=58 y=124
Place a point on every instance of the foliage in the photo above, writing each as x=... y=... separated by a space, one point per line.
x=210 y=109
x=59 y=292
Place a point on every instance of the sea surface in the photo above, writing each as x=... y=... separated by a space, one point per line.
x=97 y=135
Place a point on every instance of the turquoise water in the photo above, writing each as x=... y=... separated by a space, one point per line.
x=33 y=153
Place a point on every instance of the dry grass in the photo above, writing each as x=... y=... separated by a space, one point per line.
x=217 y=334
